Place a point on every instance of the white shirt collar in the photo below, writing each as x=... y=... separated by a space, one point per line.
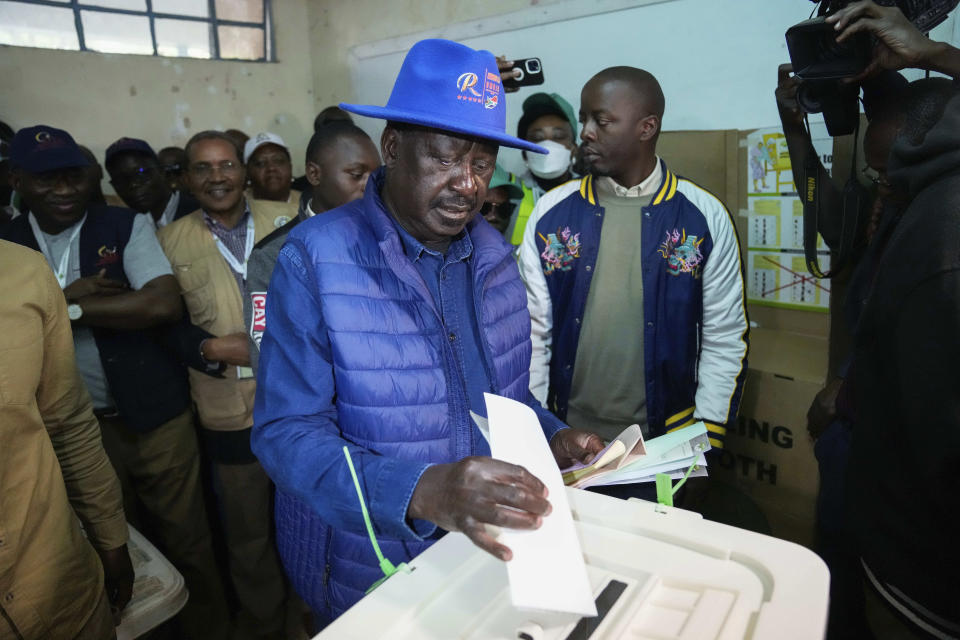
x=310 y=211
x=169 y=211
x=646 y=188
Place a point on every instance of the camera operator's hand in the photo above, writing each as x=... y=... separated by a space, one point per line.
x=787 y=85
x=899 y=43
x=507 y=72
x=467 y=495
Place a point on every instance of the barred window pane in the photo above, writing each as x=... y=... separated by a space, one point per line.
x=116 y=32
x=199 y=8
x=175 y=28
x=183 y=38
x=132 y=5
x=25 y=25
x=240 y=10
x=241 y=42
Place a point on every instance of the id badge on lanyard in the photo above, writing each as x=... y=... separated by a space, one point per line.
x=237 y=266
x=62 y=268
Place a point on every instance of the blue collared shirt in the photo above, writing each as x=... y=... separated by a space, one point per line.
x=449 y=279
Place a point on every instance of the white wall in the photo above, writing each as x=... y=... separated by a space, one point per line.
x=100 y=97
x=716 y=59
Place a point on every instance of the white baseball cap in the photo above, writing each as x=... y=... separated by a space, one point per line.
x=257 y=141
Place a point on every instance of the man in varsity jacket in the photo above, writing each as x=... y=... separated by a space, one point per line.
x=634 y=280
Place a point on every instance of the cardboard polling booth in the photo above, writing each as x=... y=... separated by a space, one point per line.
x=768 y=470
x=769 y=455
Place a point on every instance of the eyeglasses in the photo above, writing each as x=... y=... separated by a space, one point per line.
x=877 y=178
x=141 y=175
x=203 y=170
x=499 y=209
x=274 y=162
x=74 y=177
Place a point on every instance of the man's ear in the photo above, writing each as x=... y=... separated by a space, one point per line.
x=390 y=146
x=649 y=127
x=314 y=173
x=14 y=178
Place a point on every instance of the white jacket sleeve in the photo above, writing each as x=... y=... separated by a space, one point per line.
x=723 y=353
x=538 y=301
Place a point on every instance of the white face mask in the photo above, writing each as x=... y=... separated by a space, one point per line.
x=550 y=165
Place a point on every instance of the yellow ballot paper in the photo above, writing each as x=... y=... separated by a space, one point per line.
x=626 y=448
x=547 y=572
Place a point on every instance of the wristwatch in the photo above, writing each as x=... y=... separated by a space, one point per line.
x=74 y=311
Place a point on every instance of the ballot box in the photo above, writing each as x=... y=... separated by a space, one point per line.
x=158 y=589
x=656 y=573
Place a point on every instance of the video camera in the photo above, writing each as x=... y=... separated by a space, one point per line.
x=822 y=63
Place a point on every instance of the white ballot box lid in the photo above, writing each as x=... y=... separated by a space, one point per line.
x=656 y=573
x=158 y=589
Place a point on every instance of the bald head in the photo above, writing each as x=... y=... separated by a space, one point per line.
x=640 y=83
x=621 y=109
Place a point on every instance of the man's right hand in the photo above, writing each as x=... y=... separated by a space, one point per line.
x=823 y=409
x=98 y=285
x=787 y=85
x=232 y=349
x=507 y=72
x=469 y=494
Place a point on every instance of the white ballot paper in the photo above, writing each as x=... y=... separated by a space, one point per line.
x=547 y=571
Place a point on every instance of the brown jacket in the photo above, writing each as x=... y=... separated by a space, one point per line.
x=51 y=459
x=213 y=300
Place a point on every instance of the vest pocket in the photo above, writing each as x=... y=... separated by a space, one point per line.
x=198 y=292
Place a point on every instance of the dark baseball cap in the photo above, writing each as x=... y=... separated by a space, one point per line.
x=542 y=104
x=129 y=145
x=42 y=148
x=501 y=178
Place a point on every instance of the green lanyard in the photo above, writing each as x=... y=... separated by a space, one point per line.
x=386 y=566
x=665 y=489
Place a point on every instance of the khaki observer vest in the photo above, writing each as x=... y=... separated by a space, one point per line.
x=212 y=298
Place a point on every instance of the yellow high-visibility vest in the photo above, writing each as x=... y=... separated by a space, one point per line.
x=524 y=209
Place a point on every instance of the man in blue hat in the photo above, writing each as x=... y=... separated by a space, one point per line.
x=124 y=307
x=389 y=318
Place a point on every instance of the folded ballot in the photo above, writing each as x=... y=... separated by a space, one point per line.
x=629 y=459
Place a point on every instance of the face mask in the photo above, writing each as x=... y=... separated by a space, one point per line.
x=551 y=165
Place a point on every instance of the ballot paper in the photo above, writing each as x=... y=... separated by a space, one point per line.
x=672 y=453
x=547 y=572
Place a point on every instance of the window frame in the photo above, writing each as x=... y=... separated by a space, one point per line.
x=266 y=25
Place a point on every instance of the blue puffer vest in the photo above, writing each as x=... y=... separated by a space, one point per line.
x=392 y=363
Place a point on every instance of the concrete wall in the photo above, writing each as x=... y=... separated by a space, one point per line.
x=338 y=25
x=100 y=97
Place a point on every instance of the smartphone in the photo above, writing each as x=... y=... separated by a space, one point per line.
x=530 y=73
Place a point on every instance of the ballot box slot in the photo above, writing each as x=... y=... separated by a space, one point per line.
x=605 y=602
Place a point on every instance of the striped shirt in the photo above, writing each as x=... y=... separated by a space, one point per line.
x=235 y=240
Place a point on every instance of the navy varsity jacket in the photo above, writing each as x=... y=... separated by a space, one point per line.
x=695 y=327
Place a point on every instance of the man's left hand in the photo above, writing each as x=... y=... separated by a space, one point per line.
x=570 y=446
x=899 y=43
x=117 y=579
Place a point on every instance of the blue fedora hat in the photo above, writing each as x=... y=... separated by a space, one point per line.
x=449 y=86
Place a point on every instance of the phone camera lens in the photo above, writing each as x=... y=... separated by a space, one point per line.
x=533 y=66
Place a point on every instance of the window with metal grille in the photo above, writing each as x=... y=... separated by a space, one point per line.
x=212 y=29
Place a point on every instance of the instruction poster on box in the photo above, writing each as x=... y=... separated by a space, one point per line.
x=776 y=271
